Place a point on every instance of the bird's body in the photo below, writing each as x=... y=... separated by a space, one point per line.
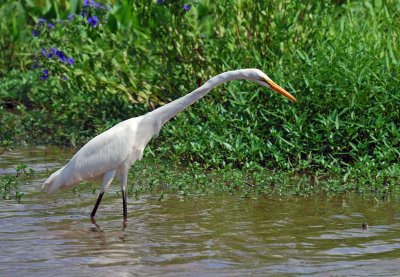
x=113 y=152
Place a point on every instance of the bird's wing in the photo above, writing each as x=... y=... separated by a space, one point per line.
x=103 y=153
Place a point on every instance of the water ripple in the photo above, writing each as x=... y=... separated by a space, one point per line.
x=216 y=235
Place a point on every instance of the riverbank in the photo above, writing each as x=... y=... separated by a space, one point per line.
x=333 y=57
x=162 y=177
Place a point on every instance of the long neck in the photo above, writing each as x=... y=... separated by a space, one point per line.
x=168 y=111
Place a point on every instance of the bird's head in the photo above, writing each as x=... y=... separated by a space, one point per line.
x=259 y=77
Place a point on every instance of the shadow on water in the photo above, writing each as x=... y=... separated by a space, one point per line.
x=192 y=236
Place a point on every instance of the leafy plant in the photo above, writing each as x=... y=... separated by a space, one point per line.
x=340 y=59
x=10 y=183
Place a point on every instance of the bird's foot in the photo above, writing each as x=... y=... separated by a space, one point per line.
x=95 y=227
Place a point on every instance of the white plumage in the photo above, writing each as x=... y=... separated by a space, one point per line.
x=112 y=153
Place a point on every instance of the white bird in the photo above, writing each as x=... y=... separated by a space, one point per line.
x=112 y=153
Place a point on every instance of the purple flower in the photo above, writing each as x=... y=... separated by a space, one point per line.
x=61 y=56
x=35 y=33
x=64 y=78
x=94 y=21
x=46 y=54
x=97 y=5
x=45 y=75
x=70 y=61
x=41 y=20
x=92 y=3
x=71 y=16
x=50 y=25
x=35 y=64
x=87 y=3
x=160 y=2
x=186 y=7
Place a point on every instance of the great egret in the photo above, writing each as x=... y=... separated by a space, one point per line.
x=112 y=153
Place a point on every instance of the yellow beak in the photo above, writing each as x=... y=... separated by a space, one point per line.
x=280 y=90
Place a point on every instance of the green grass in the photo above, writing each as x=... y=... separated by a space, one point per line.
x=341 y=59
x=161 y=178
x=10 y=184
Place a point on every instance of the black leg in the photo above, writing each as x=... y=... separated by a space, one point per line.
x=97 y=205
x=125 y=210
x=96 y=226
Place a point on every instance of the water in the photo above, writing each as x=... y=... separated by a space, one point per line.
x=214 y=235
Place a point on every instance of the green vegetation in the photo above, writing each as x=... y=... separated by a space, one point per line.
x=158 y=177
x=10 y=184
x=341 y=59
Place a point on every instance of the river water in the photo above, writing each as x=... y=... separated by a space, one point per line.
x=213 y=235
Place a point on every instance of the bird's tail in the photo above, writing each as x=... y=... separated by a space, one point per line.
x=52 y=184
